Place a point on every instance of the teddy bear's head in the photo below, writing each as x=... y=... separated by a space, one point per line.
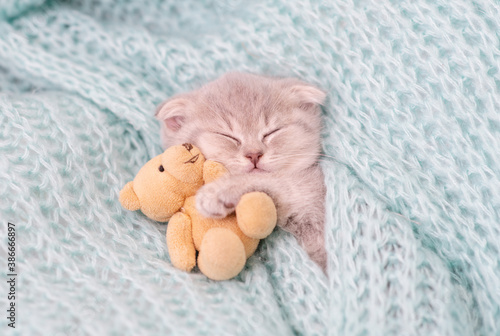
x=184 y=162
x=164 y=182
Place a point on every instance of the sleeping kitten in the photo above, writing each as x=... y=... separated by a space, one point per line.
x=266 y=131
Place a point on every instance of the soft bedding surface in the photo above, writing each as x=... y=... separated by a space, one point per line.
x=412 y=165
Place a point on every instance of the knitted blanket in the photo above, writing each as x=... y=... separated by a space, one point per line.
x=411 y=158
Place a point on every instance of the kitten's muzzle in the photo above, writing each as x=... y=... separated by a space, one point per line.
x=254 y=157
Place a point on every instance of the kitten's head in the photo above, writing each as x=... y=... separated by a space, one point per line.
x=249 y=123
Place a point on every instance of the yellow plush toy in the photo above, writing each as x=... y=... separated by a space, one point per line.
x=164 y=190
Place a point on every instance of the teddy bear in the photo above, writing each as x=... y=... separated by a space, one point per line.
x=164 y=189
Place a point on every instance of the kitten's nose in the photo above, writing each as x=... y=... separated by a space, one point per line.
x=254 y=157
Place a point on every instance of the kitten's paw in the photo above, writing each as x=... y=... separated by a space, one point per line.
x=215 y=201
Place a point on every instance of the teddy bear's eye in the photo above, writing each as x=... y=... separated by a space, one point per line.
x=161 y=169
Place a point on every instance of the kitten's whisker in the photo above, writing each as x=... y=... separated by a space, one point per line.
x=286 y=156
x=306 y=154
x=288 y=164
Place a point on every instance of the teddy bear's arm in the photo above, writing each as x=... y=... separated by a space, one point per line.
x=128 y=198
x=180 y=242
x=213 y=170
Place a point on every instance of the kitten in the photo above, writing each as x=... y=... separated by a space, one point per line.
x=266 y=131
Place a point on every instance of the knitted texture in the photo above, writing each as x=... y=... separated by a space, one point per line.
x=412 y=165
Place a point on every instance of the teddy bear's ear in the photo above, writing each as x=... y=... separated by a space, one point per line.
x=213 y=170
x=173 y=112
x=128 y=198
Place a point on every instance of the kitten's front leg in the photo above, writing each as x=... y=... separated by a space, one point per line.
x=219 y=198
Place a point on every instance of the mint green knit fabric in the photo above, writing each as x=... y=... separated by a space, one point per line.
x=412 y=165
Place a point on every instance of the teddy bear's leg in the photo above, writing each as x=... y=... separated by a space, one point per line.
x=222 y=254
x=256 y=215
x=180 y=242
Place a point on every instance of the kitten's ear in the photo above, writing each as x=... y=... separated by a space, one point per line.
x=173 y=112
x=307 y=96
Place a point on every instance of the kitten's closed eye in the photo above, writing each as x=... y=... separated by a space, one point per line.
x=271 y=133
x=238 y=142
